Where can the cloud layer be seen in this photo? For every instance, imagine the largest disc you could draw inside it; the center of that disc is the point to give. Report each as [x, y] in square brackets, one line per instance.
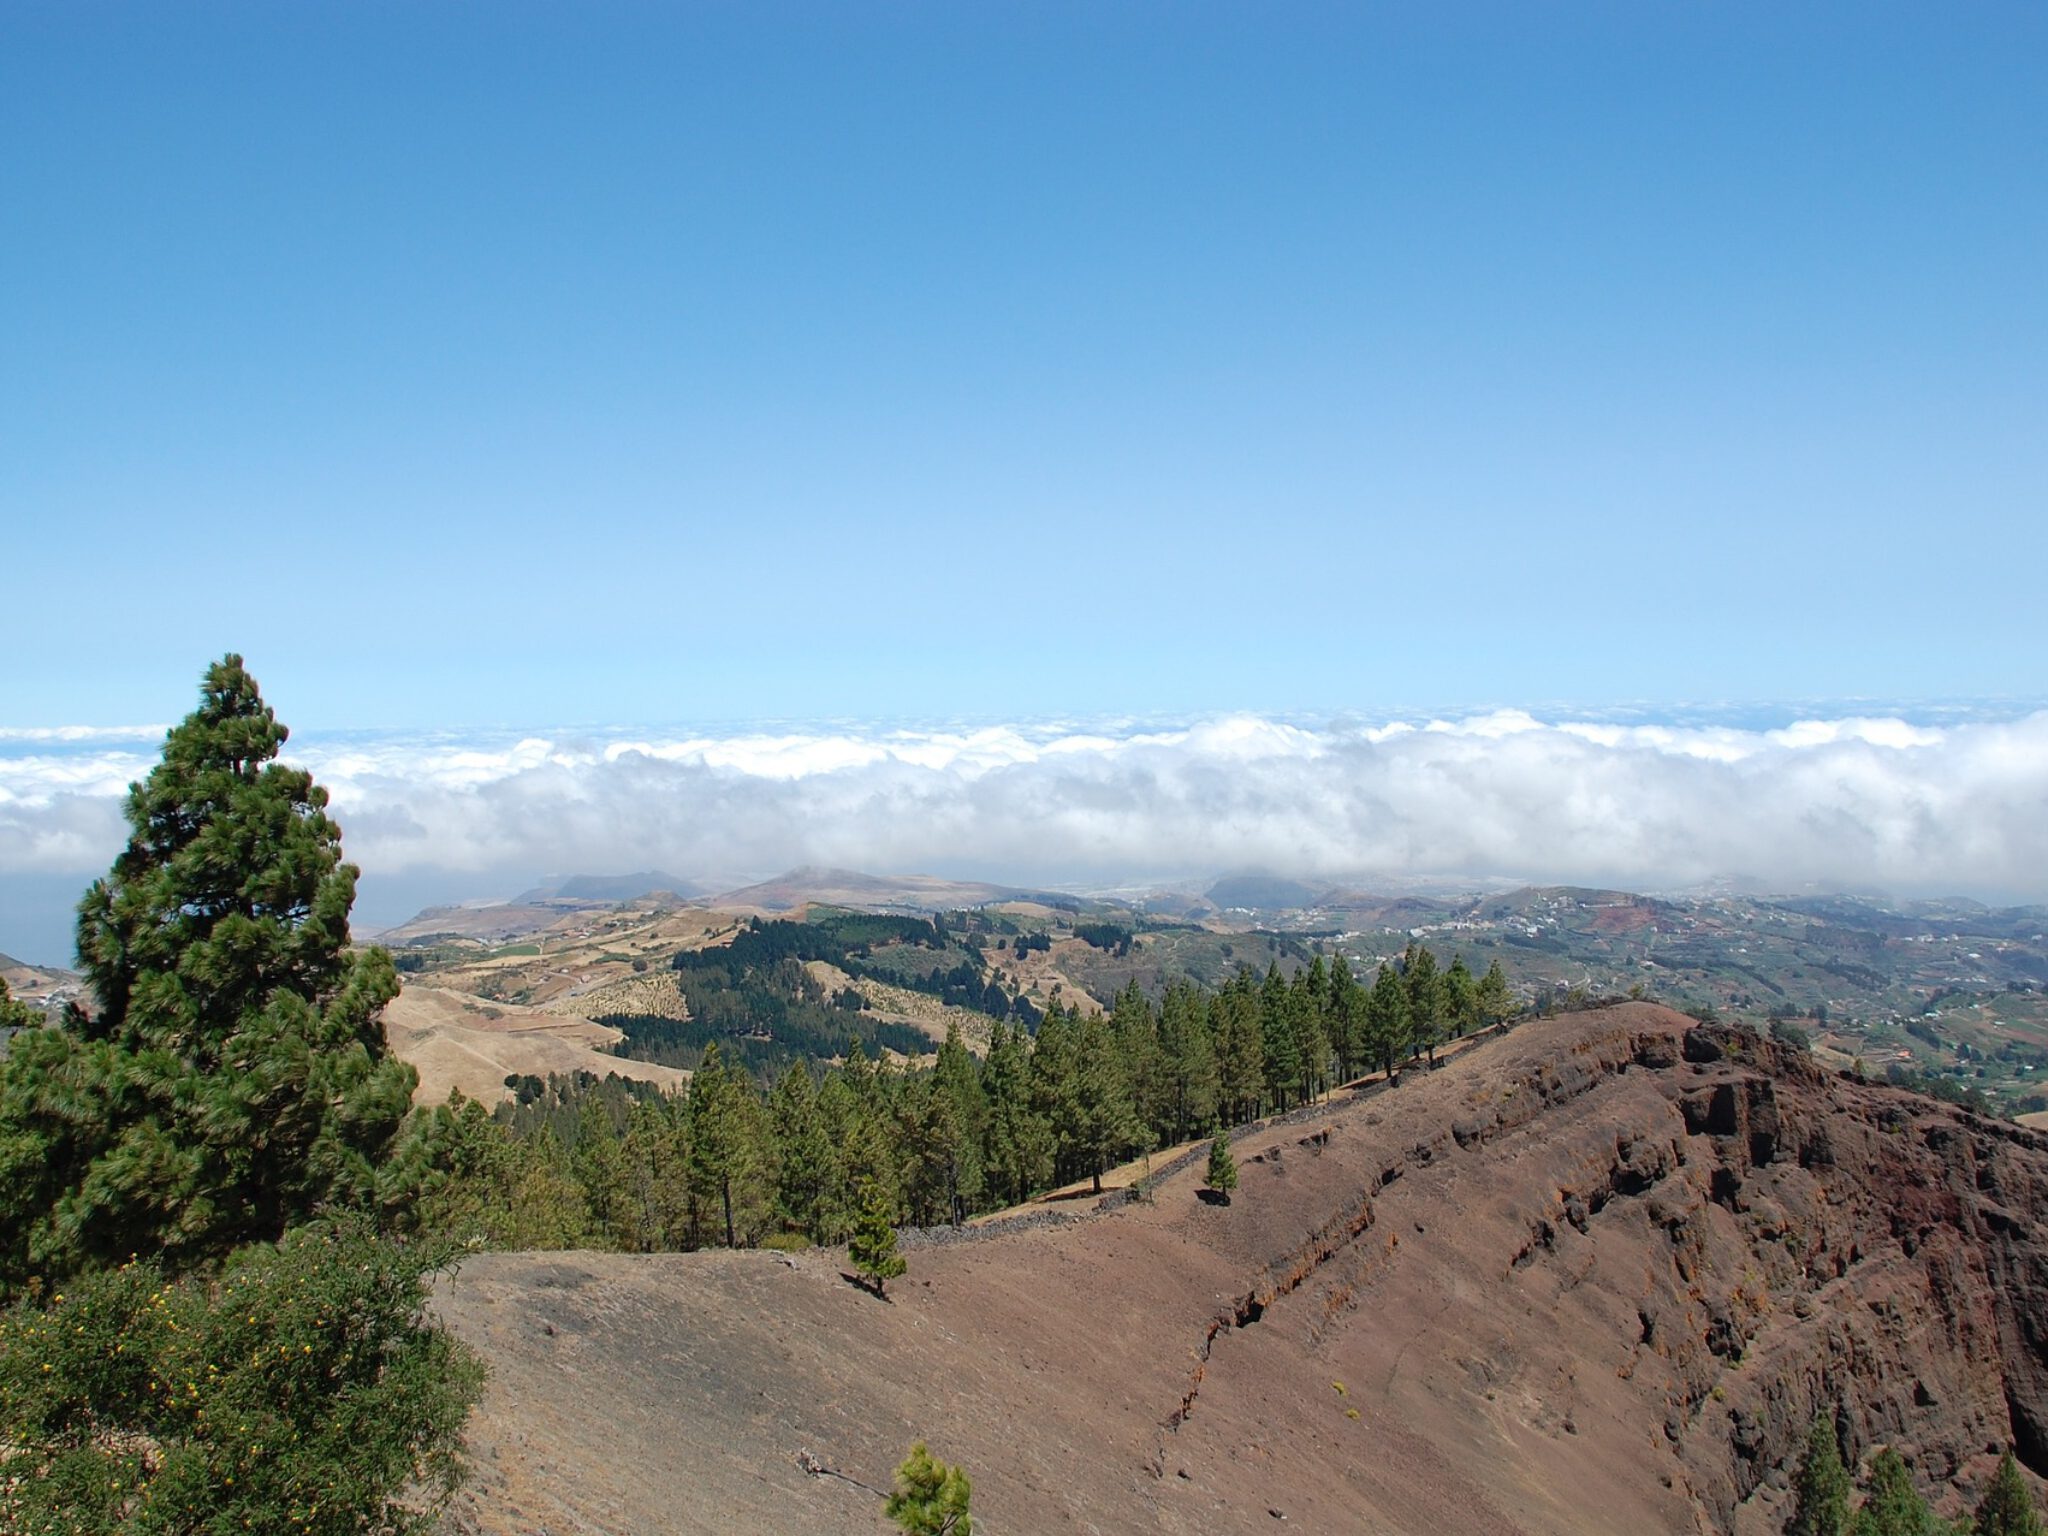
[1863, 801]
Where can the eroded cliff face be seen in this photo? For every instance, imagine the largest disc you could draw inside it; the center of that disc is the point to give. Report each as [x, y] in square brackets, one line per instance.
[1598, 1275]
[1844, 1249]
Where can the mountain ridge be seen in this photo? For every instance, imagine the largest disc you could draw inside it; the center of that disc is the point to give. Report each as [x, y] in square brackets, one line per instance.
[1594, 1276]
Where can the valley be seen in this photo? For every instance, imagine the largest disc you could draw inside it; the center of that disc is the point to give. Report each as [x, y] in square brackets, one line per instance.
[1950, 993]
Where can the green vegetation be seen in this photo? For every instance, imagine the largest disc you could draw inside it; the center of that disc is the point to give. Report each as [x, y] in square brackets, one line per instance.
[1222, 1171]
[1822, 1487]
[872, 1252]
[1114, 937]
[207, 1331]
[1893, 1506]
[2007, 1508]
[735, 1162]
[295, 1388]
[756, 997]
[930, 1498]
[234, 1078]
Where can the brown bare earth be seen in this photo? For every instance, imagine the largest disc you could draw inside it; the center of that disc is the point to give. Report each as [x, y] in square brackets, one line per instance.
[454, 1040]
[1594, 1276]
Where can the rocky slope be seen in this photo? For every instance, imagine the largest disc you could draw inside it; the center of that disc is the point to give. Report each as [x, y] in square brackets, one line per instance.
[1595, 1276]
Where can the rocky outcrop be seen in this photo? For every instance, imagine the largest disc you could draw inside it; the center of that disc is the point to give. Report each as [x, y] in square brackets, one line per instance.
[1851, 1250]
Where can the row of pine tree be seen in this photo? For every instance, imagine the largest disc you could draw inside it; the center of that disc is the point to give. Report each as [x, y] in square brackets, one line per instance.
[1824, 1503]
[735, 1164]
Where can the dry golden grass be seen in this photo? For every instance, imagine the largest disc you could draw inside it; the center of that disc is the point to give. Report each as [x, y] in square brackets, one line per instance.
[456, 1040]
[899, 1005]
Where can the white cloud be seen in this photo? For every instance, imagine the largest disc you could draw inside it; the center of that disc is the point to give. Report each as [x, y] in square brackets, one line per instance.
[1881, 801]
[72, 733]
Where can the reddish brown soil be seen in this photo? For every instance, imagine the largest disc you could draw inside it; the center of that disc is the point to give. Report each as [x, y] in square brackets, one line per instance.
[1624, 919]
[1595, 1276]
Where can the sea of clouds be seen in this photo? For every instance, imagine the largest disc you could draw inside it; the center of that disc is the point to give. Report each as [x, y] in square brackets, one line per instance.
[1956, 806]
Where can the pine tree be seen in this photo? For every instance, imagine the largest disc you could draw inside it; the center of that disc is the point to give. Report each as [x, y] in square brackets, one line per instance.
[1189, 1052]
[864, 1137]
[2007, 1508]
[1240, 1047]
[872, 1251]
[1134, 1030]
[931, 1498]
[803, 1154]
[728, 1145]
[1305, 1003]
[599, 1164]
[1018, 1156]
[1461, 998]
[1822, 1487]
[956, 1081]
[235, 1076]
[649, 1153]
[844, 1118]
[929, 1145]
[546, 1207]
[1101, 1123]
[1055, 1060]
[1222, 1172]
[1386, 1018]
[1894, 1507]
[1346, 1019]
[1277, 1033]
[1495, 1004]
[1425, 989]
[15, 1015]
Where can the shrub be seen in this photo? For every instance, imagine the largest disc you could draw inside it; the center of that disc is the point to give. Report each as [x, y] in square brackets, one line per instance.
[297, 1390]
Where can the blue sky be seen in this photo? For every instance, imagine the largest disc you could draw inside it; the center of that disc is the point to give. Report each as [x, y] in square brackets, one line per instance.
[534, 364]
[1077, 443]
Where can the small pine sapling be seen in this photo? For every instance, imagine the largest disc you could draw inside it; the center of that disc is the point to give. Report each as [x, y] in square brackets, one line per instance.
[1222, 1174]
[873, 1247]
[930, 1497]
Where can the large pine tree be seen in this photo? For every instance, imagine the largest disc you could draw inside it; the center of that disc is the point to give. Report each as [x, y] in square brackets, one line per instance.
[2007, 1508]
[1102, 1124]
[1822, 1487]
[1386, 1019]
[233, 1076]
[1427, 1005]
[1281, 1040]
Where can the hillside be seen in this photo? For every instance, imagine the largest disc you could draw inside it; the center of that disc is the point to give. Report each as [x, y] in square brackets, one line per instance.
[44, 987]
[1594, 1276]
[1951, 992]
[455, 1040]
